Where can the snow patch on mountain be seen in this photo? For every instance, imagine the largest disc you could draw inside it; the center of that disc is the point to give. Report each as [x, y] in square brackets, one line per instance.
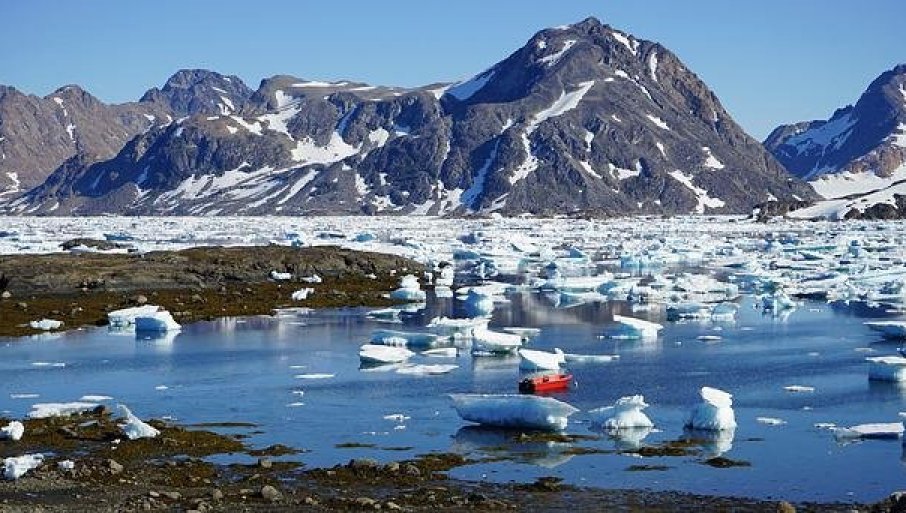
[553, 58]
[465, 90]
[704, 200]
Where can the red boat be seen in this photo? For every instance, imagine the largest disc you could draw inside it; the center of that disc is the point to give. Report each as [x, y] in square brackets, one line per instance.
[546, 383]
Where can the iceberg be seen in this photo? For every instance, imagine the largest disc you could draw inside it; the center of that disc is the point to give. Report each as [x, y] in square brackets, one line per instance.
[12, 431]
[426, 370]
[371, 353]
[46, 410]
[126, 316]
[625, 413]
[407, 338]
[587, 358]
[532, 360]
[870, 431]
[46, 324]
[157, 322]
[441, 352]
[887, 368]
[16, 467]
[487, 341]
[302, 294]
[479, 304]
[135, 428]
[513, 411]
[456, 327]
[445, 278]
[409, 289]
[714, 413]
[890, 329]
[632, 328]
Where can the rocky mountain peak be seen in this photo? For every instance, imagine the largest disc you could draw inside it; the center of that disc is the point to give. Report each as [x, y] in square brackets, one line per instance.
[198, 91]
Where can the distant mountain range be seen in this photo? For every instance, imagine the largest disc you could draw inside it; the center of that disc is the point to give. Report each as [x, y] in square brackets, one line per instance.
[582, 120]
[856, 159]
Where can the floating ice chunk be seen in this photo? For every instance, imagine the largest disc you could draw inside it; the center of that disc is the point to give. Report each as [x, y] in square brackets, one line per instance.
[158, 322]
[485, 340]
[887, 368]
[588, 358]
[445, 277]
[798, 388]
[714, 413]
[525, 333]
[46, 324]
[278, 276]
[513, 410]
[890, 329]
[456, 327]
[632, 328]
[479, 303]
[16, 467]
[531, 360]
[126, 316]
[871, 431]
[407, 338]
[95, 398]
[825, 425]
[625, 413]
[12, 431]
[314, 376]
[135, 428]
[46, 410]
[441, 352]
[426, 370]
[770, 421]
[409, 289]
[372, 353]
[302, 294]
[724, 312]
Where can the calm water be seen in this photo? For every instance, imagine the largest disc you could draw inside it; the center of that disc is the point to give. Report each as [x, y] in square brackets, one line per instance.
[247, 370]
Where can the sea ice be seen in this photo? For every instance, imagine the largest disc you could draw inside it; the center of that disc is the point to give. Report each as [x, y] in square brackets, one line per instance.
[625, 413]
[632, 328]
[714, 413]
[513, 411]
[887, 368]
[871, 431]
[46, 324]
[46, 410]
[135, 428]
[372, 353]
[12, 431]
[16, 467]
[485, 340]
[159, 321]
[126, 316]
[532, 360]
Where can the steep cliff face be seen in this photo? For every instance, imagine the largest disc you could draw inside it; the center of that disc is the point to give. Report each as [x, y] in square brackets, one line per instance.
[583, 119]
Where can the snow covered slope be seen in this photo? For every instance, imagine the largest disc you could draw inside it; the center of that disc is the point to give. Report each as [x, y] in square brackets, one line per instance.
[582, 120]
[857, 158]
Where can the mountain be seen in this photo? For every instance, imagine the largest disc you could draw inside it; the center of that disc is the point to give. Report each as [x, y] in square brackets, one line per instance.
[583, 119]
[856, 159]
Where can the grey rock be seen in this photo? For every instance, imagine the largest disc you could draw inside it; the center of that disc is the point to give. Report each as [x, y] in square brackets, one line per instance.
[216, 495]
[173, 496]
[363, 464]
[270, 493]
[114, 467]
[265, 463]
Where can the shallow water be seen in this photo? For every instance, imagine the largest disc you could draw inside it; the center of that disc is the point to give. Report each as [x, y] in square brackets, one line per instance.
[252, 370]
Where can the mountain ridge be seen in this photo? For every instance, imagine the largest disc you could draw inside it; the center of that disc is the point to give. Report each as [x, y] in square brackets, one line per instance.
[582, 119]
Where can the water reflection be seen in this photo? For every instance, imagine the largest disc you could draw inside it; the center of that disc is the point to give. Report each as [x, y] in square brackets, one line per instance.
[513, 445]
[713, 443]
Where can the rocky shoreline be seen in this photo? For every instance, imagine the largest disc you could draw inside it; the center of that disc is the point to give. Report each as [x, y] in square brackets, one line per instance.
[171, 472]
[201, 283]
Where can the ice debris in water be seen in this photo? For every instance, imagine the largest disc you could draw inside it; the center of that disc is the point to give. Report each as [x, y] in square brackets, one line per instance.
[798, 388]
[373, 353]
[135, 428]
[409, 290]
[770, 421]
[714, 413]
[632, 328]
[46, 324]
[870, 431]
[532, 360]
[46, 410]
[160, 321]
[887, 368]
[12, 431]
[302, 294]
[625, 413]
[513, 410]
[16, 467]
[125, 317]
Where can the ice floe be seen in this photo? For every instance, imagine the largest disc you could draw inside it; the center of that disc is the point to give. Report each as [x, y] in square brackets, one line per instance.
[714, 413]
[513, 411]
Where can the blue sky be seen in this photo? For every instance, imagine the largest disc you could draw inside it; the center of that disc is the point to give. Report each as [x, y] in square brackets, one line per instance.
[769, 61]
